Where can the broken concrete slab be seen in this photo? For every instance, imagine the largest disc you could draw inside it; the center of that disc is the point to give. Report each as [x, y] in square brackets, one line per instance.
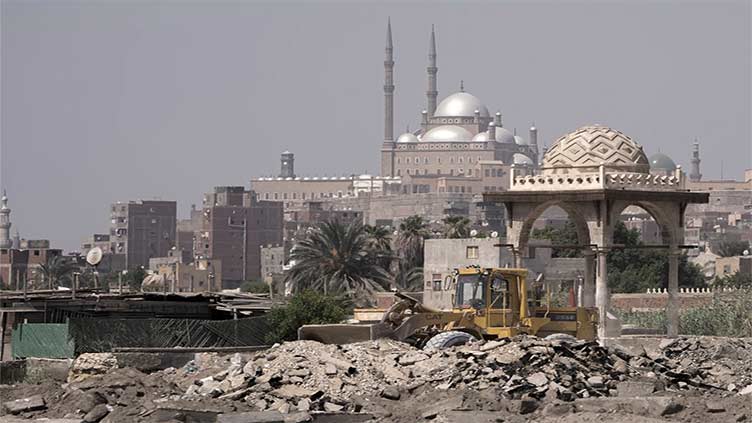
[35, 402]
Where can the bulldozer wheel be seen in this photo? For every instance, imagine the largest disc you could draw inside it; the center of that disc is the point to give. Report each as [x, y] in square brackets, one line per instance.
[449, 339]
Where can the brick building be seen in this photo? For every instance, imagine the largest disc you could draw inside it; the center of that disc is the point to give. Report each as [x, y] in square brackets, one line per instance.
[234, 226]
[141, 230]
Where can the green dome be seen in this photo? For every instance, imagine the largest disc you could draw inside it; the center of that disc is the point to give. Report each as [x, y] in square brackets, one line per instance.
[660, 161]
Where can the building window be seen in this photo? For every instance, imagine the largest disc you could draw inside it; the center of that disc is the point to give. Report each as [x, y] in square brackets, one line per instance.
[438, 171]
[460, 160]
[284, 196]
[398, 160]
[302, 195]
[266, 196]
[276, 196]
[294, 195]
[487, 173]
[425, 160]
[417, 160]
[438, 160]
[472, 252]
[451, 160]
[36, 252]
[469, 172]
[399, 172]
[407, 160]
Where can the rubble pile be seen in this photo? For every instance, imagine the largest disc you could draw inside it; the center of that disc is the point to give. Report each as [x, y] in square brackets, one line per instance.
[308, 376]
[724, 363]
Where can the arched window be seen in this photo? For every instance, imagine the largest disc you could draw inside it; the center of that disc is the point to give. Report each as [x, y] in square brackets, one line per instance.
[460, 160]
[425, 160]
[399, 172]
[303, 195]
[398, 160]
[469, 172]
[276, 196]
[407, 160]
[284, 196]
[266, 196]
[294, 195]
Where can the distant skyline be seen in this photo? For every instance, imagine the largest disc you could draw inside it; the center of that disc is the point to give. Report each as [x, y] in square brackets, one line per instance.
[124, 100]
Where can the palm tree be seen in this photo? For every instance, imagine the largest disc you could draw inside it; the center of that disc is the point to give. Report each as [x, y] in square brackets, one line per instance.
[336, 258]
[456, 227]
[409, 280]
[56, 271]
[412, 232]
[380, 242]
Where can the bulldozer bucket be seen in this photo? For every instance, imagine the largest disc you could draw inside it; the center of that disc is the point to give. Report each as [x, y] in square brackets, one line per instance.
[344, 333]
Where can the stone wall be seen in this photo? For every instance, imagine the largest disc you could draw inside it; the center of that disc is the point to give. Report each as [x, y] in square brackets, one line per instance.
[656, 300]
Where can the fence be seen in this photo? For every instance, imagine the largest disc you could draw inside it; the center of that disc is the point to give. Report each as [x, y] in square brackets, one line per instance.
[83, 335]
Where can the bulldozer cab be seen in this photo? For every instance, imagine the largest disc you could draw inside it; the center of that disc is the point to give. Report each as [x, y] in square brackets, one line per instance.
[497, 297]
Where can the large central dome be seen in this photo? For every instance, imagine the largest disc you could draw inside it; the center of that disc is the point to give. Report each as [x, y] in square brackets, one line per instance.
[591, 146]
[460, 104]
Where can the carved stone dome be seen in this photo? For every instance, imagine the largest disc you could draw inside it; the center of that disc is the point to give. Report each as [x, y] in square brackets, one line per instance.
[586, 148]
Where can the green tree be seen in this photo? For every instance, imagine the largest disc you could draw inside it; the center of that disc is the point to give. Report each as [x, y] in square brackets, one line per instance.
[411, 235]
[380, 242]
[334, 258]
[456, 227]
[57, 271]
[409, 280]
[304, 308]
[560, 236]
[134, 278]
[732, 248]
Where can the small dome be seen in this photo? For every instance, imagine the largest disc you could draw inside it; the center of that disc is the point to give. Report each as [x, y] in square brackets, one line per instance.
[660, 161]
[591, 146]
[447, 133]
[519, 140]
[521, 159]
[481, 136]
[503, 135]
[407, 137]
[460, 104]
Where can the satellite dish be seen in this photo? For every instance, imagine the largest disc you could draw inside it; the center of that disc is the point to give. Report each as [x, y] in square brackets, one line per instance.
[473, 233]
[494, 234]
[94, 256]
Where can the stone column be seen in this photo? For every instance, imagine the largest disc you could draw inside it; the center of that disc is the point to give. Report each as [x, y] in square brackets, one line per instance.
[672, 307]
[601, 292]
[588, 287]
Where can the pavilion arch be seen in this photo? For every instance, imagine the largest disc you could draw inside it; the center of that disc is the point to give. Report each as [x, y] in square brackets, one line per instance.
[594, 173]
[666, 215]
[574, 214]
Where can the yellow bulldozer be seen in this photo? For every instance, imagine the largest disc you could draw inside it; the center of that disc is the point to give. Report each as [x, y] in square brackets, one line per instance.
[487, 303]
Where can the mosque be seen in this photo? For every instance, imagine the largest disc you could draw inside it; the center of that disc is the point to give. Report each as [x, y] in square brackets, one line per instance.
[460, 147]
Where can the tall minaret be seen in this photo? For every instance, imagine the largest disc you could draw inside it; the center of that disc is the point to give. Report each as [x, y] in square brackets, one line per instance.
[695, 175]
[389, 86]
[5, 241]
[534, 141]
[432, 93]
[387, 148]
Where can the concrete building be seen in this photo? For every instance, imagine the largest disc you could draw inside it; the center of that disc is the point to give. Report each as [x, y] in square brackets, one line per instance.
[199, 276]
[19, 264]
[235, 224]
[97, 240]
[273, 259]
[725, 266]
[141, 230]
[186, 229]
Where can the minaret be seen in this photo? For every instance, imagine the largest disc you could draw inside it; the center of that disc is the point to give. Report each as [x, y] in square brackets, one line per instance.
[287, 165]
[389, 86]
[387, 148]
[695, 175]
[432, 92]
[5, 241]
[534, 141]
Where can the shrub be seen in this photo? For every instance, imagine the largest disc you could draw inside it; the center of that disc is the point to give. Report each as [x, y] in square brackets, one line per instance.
[730, 314]
[254, 287]
[304, 308]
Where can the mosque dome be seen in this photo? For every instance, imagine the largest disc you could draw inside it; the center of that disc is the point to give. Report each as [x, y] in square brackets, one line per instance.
[407, 137]
[447, 133]
[593, 145]
[481, 136]
[521, 159]
[660, 161]
[460, 104]
[503, 135]
[519, 140]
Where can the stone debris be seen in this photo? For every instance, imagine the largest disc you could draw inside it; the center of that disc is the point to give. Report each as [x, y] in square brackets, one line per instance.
[32, 403]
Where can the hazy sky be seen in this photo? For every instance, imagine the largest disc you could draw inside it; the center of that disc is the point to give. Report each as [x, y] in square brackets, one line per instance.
[118, 100]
